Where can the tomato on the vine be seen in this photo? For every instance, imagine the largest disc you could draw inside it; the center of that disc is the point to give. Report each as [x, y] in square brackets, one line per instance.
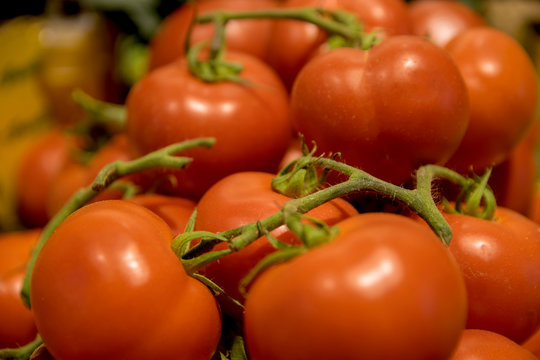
[483, 344]
[503, 89]
[250, 120]
[244, 198]
[293, 43]
[387, 110]
[499, 260]
[384, 288]
[106, 285]
[442, 20]
[17, 327]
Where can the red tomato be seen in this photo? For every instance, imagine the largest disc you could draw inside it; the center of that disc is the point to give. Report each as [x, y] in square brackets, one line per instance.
[533, 343]
[499, 260]
[246, 35]
[514, 180]
[36, 173]
[106, 285]
[384, 288]
[292, 43]
[17, 327]
[442, 20]
[250, 122]
[502, 86]
[244, 198]
[387, 110]
[482, 344]
[176, 211]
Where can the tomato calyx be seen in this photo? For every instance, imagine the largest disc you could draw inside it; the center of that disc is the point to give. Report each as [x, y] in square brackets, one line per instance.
[215, 68]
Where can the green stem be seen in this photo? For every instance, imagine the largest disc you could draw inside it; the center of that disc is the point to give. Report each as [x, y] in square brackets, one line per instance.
[162, 158]
[23, 352]
[111, 115]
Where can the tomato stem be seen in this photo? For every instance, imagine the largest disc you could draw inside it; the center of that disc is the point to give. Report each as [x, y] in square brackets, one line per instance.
[162, 158]
[21, 353]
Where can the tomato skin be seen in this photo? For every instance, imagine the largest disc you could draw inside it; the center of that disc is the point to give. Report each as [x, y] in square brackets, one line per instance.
[293, 43]
[250, 122]
[17, 326]
[483, 344]
[384, 275]
[533, 343]
[176, 211]
[244, 198]
[249, 36]
[387, 110]
[502, 86]
[106, 285]
[442, 20]
[499, 261]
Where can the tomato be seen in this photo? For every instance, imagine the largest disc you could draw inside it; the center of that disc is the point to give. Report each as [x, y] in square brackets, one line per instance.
[17, 326]
[442, 20]
[36, 172]
[250, 122]
[499, 260]
[533, 343]
[482, 344]
[514, 180]
[384, 288]
[106, 285]
[387, 110]
[244, 198]
[249, 36]
[292, 43]
[502, 86]
[176, 211]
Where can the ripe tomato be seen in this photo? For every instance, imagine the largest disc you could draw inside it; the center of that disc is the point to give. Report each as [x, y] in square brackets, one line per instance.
[106, 285]
[176, 211]
[533, 343]
[387, 110]
[499, 260]
[442, 20]
[36, 173]
[292, 43]
[244, 198]
[17, 327]
[483, 344]
[502, 86]
[250, 122]
[246, 35]
[384, 288]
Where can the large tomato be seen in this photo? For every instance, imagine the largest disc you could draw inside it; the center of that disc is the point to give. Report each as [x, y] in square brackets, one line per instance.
[384, 288]
[499, 260]
[483, 344]
[250, 121]
[249, 36]
[17, 327]
[292, 43]
[387, 110]
[244, 198]
[442, 20]
[502, 86]
[106, 285]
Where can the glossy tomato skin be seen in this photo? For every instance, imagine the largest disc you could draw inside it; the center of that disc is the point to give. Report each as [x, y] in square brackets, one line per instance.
[483, 344]
[293, 43]
[249, 36]
[17, 327]
[244, 198]
[106, 285]
[387, 110]
[442, 20]
[384, 288]
[250, 122]
[499, 261]
[503, 91]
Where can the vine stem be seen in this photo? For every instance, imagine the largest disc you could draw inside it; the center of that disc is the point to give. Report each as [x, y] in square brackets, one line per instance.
[162, 158]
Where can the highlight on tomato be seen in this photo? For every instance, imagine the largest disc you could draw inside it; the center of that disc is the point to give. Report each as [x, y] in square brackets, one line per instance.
[384, 288]
[106, 285]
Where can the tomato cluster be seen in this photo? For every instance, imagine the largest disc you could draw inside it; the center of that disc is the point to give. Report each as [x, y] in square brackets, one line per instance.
[304, 228]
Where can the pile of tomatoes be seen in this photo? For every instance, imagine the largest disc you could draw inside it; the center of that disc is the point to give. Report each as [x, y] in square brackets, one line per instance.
[359, 276]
